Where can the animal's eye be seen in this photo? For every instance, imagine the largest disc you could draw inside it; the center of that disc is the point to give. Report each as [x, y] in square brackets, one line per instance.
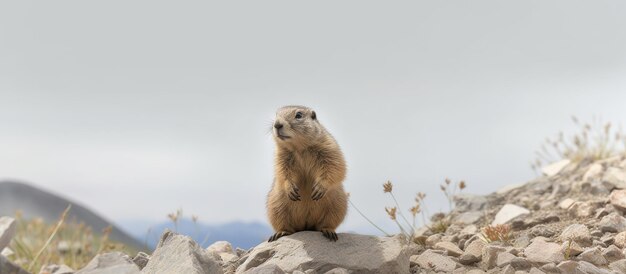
[298, 115]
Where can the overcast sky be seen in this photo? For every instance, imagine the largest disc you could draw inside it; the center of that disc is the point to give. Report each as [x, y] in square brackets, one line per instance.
[137, 108]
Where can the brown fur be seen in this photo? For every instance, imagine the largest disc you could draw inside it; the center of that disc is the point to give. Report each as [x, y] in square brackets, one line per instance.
[307, 193]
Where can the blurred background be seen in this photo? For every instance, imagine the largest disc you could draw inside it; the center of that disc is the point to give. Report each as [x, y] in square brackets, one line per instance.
[138, 109]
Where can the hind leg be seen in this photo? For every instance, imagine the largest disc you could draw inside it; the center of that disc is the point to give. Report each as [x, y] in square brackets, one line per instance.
[332, 210]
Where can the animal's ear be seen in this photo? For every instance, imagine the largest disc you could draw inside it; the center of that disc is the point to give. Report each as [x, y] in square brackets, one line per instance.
[313, 115]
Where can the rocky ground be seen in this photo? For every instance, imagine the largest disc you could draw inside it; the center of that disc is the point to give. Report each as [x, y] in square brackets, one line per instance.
[570, 220]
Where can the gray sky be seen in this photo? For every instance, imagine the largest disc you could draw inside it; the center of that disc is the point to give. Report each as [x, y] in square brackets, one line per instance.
[137, 108]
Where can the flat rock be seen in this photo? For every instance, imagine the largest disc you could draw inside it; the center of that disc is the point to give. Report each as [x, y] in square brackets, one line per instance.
[110, 263]
[310, 250]
[490, 256]
[613, 253]
[180, 254]
[615, 177]
[451, 248]
[589, 268]
[619, 266]
[566, 203]
[509, 212]
[475, 248]
[554, 168]
[540, 251]
[7, 267]
[612, 223]
[620, 239]
[504, 258]
[7, 231]
[618, 198]
[594, 256]
[578, 233]
[433, 261]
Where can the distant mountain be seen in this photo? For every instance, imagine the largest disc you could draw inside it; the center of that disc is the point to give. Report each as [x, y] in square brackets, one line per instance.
[34, 202]
[240, 234]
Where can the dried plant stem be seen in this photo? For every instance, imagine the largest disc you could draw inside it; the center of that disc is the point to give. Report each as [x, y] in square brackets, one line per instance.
[370, 221]
[402, 215]
[54, 232]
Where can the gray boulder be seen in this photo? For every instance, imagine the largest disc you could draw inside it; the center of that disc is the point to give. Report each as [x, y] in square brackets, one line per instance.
[180, 254]
[309, 250]
[110, 263]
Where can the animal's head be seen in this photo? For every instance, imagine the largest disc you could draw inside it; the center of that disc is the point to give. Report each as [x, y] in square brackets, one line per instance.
[296, 125]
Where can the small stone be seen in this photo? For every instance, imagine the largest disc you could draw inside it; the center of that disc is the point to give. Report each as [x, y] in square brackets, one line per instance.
[507, 270]
[475, 248]
[7, 252]
[490, 255]
[180, 254]
[141, 260]
[434, 261]
[578, 233]
[619, 266]
[509, 212]
[540, 251]
[504, 258]
[615, 177]
[224, 250]
[522, 241]
[433, 239]
[468, 259]
[534, 270]
[613, 253]
[618, 198]
[520, 263]
[586, 267]
[110, 263]
[542, 230]
[594, 256]
[566, 203]
[581, 209]
[568, 267]
[550, 268]
[571, 248]
[620, 239]
[7, 231]
[451, 248]
[593, 171]
[554, 168]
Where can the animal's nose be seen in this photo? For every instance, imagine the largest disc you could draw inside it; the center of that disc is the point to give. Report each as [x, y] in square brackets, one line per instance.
[278, 125]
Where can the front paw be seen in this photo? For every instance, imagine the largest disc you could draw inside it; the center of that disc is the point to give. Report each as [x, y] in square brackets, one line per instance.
[318, 192]
[293, 193]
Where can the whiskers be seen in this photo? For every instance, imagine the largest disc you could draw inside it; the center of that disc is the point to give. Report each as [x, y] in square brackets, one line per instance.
[270, 127]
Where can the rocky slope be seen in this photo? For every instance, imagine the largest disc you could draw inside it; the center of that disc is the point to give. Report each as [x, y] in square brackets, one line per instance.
[571, 220]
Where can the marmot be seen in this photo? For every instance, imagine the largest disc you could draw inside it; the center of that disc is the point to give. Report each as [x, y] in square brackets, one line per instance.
[307, 193]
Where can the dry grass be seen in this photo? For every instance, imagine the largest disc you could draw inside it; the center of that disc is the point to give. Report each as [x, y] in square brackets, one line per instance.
[37, 243]
[592, 141]
[408, 228]
[497, 233]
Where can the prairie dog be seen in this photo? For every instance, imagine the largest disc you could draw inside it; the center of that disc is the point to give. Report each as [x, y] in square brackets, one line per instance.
[309, 168]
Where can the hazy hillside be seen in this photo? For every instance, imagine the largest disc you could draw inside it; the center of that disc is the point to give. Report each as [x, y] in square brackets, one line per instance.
[35, 202]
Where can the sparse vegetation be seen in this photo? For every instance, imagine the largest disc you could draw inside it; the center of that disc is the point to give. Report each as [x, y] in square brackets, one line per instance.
[593, 141]
[408, 229]
[37, 243]
[497, 233]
